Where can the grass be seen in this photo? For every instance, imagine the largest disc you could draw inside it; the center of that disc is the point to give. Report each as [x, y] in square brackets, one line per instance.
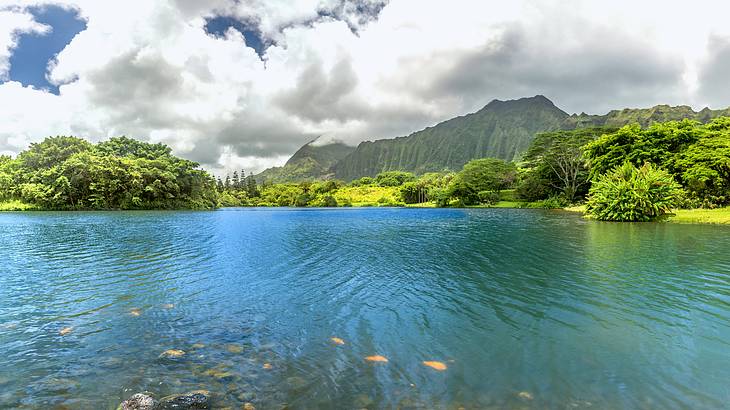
[15, 205]
[686, 216]
[369, 196]
[701, 216]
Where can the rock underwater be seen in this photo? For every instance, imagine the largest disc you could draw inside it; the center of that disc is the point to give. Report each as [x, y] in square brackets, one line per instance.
[194, 400]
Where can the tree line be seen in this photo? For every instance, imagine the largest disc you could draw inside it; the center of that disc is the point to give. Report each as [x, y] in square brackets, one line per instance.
[625, 174]
[69, 173]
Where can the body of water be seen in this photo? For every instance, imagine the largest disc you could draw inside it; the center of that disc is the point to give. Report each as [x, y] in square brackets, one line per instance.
[519, 308]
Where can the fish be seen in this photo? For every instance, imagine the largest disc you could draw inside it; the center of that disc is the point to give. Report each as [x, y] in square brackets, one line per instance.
[66, 330]
[435, 365]
[267, 366]
[377, 358]
[337, 341]
[168, 306]
[135, 312]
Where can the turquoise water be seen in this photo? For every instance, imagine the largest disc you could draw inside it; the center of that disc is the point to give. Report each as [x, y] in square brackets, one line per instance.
[526, 308]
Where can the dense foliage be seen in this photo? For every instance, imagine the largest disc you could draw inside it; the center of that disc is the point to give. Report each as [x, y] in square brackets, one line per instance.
[122, 173]
[554, 165]
[628, 193]
[697, 156]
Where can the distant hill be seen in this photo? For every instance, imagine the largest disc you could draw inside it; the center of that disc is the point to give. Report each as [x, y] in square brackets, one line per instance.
[502, 129]
[311, 161]
[644, 116]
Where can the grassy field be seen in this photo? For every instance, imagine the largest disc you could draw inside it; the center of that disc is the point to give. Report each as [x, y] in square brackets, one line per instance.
[701, 216]
[686, 216]
[16, 205]
[369, 196]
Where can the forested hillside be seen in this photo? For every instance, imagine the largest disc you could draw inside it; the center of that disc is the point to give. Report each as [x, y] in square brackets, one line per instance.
[502, 129]
[311, 161]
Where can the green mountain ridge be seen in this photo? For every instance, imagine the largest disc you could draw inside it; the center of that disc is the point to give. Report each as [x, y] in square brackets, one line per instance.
[501, 129]
[310, 162]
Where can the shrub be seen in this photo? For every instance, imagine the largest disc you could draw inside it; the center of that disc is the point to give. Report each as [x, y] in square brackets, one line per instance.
[394, 178]
[628, 193]
[488, 197]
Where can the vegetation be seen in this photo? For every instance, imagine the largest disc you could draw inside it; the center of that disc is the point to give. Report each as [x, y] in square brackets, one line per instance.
[625, 174]
[122, 173]
[708, 216]
[632, 194]
[502, 129]
[311, 162]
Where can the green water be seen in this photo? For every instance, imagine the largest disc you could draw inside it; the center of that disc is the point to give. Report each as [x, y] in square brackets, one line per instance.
[526, 308]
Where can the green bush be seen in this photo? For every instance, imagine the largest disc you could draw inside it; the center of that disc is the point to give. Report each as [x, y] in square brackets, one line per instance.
[628, 193]
[488, 197]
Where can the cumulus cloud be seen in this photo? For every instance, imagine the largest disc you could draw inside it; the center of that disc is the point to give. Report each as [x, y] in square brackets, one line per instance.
[349, 70]
[714, 78]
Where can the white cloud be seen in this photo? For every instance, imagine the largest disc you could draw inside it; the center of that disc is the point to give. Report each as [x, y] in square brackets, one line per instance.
[149, 70]
[12, 24]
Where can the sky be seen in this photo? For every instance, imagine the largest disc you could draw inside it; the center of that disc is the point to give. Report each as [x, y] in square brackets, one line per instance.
[242, 84]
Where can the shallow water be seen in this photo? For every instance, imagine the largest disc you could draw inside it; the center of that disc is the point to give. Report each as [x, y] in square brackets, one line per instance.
[526, 308]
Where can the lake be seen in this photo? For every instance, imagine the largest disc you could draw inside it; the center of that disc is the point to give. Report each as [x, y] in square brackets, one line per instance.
[524, 308]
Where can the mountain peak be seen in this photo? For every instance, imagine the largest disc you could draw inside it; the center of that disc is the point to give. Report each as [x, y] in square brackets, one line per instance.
[538, 100]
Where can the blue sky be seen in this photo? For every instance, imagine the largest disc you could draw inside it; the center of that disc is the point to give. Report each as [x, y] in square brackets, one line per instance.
[218, 26]
[30, 59]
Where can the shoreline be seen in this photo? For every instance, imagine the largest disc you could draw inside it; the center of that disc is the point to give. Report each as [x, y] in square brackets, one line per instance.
[718, 216]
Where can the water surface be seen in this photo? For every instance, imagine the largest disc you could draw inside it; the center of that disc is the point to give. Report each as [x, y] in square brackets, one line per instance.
[526, 308]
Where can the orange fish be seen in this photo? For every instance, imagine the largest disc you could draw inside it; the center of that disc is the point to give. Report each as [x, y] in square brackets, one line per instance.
[65, 331]
[267, 366]
[435, 365]
[135, 312]
[377, 358]
[337, 341]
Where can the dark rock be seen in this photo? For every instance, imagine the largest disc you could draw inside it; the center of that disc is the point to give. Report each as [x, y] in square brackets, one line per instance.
[139, 402]
[199, 399]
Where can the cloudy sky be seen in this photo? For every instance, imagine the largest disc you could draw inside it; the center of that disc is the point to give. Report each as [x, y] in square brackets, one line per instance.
[242, 84]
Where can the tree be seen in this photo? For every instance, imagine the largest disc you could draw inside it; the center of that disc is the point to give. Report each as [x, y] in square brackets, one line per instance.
[481, 175]
[235, 183]
[394, 178]
[628, 193]
[554, 164]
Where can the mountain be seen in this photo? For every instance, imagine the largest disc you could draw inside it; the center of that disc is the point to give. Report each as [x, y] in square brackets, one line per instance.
[502, 129]
[643, 116]
[312, 161]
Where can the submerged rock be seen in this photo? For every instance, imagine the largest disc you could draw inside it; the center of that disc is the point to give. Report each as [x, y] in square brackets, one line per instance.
[525, 395]
[198, 399]
[172, 354]
[235, 349]
[139, 401]
[194, 400]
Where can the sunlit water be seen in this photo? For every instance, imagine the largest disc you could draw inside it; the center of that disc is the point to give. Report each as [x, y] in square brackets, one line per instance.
[527, 309]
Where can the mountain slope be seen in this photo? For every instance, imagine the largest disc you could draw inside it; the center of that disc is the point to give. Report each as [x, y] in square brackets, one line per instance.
[311, 161]
[644, 116]
[502, 129]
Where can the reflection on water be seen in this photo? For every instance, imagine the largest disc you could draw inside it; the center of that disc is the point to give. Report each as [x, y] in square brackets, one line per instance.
[363, 308]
